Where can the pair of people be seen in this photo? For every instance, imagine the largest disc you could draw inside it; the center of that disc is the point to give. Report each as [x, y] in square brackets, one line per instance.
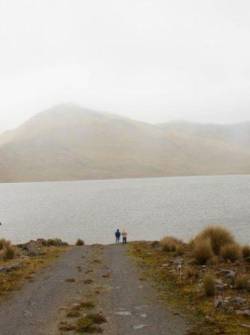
[118, 235]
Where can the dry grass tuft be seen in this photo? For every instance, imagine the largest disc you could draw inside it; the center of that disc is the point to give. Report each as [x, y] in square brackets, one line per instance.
[246, 252]
[70, 280]
[209, 285]
[203, 251]
[242, 282]
[8, 252]
[90, 323]
[230, 252]
[170, 244]
[79, 242]
[218, 237]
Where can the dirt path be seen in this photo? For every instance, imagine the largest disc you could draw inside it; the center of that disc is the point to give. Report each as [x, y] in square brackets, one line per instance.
[129, 304]
[34, 309]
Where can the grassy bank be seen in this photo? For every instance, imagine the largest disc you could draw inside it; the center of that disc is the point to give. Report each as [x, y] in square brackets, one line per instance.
[207, 279]
[20, 263]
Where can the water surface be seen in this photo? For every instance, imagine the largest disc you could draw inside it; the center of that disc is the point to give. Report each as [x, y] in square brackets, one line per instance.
[147, 208]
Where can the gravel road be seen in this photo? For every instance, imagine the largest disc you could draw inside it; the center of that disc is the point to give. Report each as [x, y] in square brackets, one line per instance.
[130, 305]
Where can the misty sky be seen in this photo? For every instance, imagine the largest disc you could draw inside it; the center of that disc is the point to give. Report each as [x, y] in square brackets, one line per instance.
[153, 60]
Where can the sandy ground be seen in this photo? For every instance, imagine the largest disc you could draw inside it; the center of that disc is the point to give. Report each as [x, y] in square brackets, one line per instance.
[129, 304]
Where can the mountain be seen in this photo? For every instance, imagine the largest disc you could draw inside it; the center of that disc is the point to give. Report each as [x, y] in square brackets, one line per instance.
[68, 142]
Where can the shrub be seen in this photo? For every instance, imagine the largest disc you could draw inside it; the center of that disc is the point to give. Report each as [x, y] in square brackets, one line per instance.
[191, 273]
[8, 252]
[4, 243]
[203, 251]
[55, 242]
[79, 242]
[180, 250]
[246, 252]
[170, 244]
[230, 252]
[242, 282]
[209, 285]
[218, 237]
[87, 324]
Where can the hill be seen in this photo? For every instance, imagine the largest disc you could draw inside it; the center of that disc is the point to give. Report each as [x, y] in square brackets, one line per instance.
[68, 142]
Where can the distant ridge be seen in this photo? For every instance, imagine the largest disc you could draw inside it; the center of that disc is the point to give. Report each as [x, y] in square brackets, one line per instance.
[68, 142]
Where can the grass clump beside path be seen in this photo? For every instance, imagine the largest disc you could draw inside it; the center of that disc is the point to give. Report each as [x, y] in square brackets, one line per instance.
[79, 242]
[18, 265]
[209, 281]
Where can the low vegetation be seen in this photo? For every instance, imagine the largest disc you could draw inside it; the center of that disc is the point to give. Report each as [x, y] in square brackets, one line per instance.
[209, 285]
[79, 242]
[170, 244]
[209, 280]
[230, 252]
[246, 252]
[218, 237]
[19, 263]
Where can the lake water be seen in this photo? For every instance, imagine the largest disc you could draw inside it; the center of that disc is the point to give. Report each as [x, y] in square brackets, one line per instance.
[148, 208]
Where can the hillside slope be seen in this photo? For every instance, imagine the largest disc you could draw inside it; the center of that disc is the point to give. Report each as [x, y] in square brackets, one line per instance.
[68, 142]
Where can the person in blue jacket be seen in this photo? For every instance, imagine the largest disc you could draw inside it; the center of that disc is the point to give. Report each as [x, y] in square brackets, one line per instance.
[117, 236]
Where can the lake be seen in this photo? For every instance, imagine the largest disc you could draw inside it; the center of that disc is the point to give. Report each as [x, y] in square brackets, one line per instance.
[147, 208]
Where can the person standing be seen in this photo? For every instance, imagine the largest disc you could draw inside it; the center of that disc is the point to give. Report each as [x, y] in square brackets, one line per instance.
[117, 236]
[124, 236]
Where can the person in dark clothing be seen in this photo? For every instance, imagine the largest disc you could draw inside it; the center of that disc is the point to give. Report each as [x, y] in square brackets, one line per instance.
[117, 236]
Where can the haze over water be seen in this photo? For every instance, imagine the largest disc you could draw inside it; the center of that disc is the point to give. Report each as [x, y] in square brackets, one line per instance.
[147, 208]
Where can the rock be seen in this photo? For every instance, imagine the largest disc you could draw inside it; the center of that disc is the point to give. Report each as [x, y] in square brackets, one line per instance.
[230, 274]
[220, 285]
[178, 261]
[10, 267]
[165, 265]
[218, 301]
[245, 312]
[209, 319]
[245, 325]
[32, 248]
[238, 300]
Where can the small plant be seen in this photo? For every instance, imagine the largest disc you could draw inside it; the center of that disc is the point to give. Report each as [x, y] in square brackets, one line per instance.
[4, 243]
[170, 244]
[180, 250]
[242, 282]
[87, 304]
[88, 323]
[70, 280]
[209, 285]
[9, 252]
[79, 242]
[73, 314]
[203, 251]
[55, 242]
[191, 273]
[246, 252]
[218, 237]
[230, 252]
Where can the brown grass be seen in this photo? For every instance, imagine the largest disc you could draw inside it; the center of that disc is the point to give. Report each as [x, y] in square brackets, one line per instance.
[79, 242]
[230, 252]
[218, 237]
[90, 323]
[170, 244]
[209, 285]
[202, 251]
[242, 282]
[8, 252]
[246, 252]
[4, 243]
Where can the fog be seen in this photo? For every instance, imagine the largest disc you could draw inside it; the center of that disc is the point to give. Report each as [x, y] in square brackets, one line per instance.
[153, 61]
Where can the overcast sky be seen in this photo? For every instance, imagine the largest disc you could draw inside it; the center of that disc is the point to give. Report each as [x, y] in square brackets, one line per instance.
[152, 60]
